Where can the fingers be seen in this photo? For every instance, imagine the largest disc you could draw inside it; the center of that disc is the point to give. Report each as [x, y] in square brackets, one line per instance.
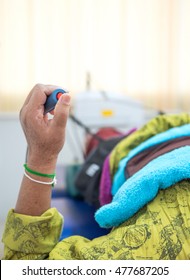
[39, 95]
[61, 111]
[36, 99]
[38, 88]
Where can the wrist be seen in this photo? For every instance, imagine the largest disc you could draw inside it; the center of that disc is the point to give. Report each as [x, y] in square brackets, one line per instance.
[42, 164]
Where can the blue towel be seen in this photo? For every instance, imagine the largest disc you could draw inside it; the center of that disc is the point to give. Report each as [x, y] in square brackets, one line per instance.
[143, 186]
[176, 132]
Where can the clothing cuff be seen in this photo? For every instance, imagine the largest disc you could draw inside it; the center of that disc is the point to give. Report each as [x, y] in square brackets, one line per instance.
[32, 234]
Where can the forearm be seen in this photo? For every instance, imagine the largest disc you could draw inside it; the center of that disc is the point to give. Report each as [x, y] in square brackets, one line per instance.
[35, 198]
[45, 138]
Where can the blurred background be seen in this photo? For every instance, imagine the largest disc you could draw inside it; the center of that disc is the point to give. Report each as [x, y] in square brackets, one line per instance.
[136, 47]
[124, 60]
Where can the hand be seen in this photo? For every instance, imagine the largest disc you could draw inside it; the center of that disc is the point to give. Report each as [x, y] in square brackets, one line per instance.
[45, 137]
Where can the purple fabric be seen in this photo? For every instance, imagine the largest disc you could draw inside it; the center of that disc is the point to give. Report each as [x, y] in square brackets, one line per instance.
[105, 184]
[105, 195]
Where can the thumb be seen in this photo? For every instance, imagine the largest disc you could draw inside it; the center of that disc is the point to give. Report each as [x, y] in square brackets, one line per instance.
[61, 111]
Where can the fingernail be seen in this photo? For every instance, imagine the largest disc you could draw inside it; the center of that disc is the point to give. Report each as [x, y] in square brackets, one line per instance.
[65, 99]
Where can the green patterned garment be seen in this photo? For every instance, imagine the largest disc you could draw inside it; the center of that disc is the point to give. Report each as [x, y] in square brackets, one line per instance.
[159, 231]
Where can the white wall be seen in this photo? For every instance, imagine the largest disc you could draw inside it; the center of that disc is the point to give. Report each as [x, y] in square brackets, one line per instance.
[12, 157]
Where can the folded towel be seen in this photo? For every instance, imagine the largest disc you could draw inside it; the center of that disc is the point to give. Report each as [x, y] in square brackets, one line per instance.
[137, 191]
[172, 133]
[143, 158]
[156, 125]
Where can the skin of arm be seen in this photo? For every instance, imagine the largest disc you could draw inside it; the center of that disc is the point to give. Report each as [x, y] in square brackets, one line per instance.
[45, 139]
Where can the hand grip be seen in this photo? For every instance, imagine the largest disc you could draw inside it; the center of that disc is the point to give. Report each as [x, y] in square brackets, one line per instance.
[52, 100]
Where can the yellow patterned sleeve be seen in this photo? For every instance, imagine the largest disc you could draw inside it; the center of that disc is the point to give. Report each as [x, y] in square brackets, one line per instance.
[31, 237]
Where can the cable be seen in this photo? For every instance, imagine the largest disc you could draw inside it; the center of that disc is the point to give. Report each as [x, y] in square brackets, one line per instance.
[86, 128]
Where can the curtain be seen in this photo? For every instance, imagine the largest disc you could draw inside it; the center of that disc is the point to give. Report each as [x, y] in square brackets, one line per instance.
[138, 48]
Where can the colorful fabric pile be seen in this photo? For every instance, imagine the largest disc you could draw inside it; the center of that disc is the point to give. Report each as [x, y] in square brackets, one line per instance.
[144, 194]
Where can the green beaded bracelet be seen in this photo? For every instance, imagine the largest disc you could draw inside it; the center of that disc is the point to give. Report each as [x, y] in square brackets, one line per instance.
[38, 173]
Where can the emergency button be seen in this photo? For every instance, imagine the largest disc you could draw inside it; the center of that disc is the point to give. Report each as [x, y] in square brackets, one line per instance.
[59, 95]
